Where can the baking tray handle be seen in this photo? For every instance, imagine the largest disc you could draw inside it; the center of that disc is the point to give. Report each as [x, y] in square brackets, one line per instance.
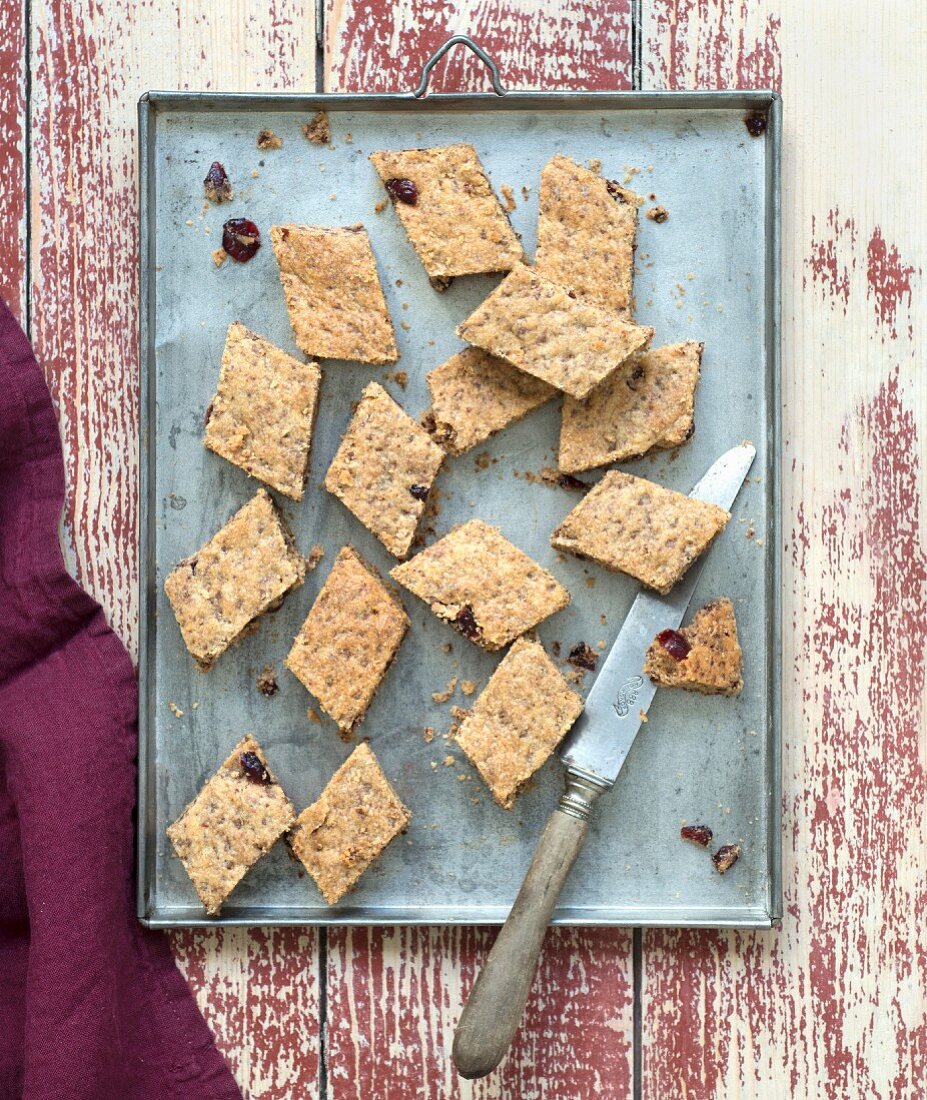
[459, 40]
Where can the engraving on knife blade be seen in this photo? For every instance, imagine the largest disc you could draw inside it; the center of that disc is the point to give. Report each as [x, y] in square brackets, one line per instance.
[627, 695]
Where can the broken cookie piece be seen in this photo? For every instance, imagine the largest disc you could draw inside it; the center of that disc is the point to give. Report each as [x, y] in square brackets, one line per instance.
[518, 720]
[704, 656]
[475, 394]
[318, 129]
[446, 205]
[631, 525]
[232, 822]
[245, 569]
[586, 231]
[262, 415]
[333, 293]
[482, 584]
[384, 469]
[725, 857]
[267, 139]
[349, 639]
[648, 402]
[217, 186]
[357, 815]
[544, 329]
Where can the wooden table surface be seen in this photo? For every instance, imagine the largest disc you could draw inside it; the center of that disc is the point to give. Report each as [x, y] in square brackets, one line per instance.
[834, 1003]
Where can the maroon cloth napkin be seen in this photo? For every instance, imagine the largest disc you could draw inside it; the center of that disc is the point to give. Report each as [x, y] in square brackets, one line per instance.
[91, 1004]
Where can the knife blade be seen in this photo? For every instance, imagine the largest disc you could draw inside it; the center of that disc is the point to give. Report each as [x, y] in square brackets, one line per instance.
[593, 753]
[601, 738]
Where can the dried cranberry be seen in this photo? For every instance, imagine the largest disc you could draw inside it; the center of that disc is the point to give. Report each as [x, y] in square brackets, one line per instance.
[253, 768]
[216, 184]
[467, 624]
[241, 238]
[725, 857]
[402, 191]
[756, 125]
[567, 481]
[636, 375]
[674, 644]
[698, 834]
[583, 656]
[420, 492]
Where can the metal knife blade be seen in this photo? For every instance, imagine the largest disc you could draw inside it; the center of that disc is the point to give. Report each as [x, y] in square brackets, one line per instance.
[601, 738]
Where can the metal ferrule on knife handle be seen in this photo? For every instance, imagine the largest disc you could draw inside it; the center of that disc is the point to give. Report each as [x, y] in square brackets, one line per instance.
[580, 795]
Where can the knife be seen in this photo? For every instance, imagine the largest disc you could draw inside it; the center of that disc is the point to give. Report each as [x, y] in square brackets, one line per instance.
[593, 754]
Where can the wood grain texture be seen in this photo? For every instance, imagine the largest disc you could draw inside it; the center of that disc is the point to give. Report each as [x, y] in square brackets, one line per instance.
[259, 991]
[395, 995]
[13, 176]
[372, 46]
[89, 64]
[834, 1004]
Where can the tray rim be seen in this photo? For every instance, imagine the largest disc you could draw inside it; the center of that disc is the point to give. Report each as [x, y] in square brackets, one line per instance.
[154, 101]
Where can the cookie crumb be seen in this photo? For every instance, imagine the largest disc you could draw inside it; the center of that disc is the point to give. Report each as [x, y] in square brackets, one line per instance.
[429, 735]
[219, 256]
[443, 696]
[583, 656]
[658, 214]
[381, 206]
[314, 556]
[400, 377]
[468, 686]
[643, 717]
[175, 710]
[525, 192]
[509, 204]
[314, 716]
[267, 139]
[449, 761]
[318, 130]
[267, 681]
[217, 186]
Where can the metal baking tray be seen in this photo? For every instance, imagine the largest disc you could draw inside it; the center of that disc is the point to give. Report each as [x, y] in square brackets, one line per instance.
[711, 272]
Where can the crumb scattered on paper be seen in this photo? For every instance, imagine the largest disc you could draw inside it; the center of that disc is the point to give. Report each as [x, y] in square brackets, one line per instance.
[219, 256]
[267, 681]
[267, 139]
[468, 686]
[175, 710]
[509, 203]
[314, 556]
[658, 214]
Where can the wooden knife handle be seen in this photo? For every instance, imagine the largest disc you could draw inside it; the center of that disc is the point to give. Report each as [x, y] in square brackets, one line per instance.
[497, 1001]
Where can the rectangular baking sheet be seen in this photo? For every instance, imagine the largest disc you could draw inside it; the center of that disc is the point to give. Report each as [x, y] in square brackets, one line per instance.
[709, 273]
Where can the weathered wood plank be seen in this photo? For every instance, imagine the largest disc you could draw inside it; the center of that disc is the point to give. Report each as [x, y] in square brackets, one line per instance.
[13, 175]
[394, 996]
[835, 1004]
[90, 62]
[371, 46]
[259, 991]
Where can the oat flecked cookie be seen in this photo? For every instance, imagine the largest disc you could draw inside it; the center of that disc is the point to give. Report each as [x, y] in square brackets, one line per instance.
[544, 329]
[704, 656]
[333, 293]
[482, 584]
[455, 222]
[648, 402]
[245, 569]
[586, 231]
[384, 469]
[475, 394]
[519, 719]
[356, 816]
[349, 639]
[232, 822]
[633, 526]
[262, 415]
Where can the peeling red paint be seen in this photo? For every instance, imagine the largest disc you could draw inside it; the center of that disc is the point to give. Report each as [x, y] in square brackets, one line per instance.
[13, 51]
[395, 995]
[889, 280]
[832, 257]
[378, 47]
[258, 990]
[706, 44]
